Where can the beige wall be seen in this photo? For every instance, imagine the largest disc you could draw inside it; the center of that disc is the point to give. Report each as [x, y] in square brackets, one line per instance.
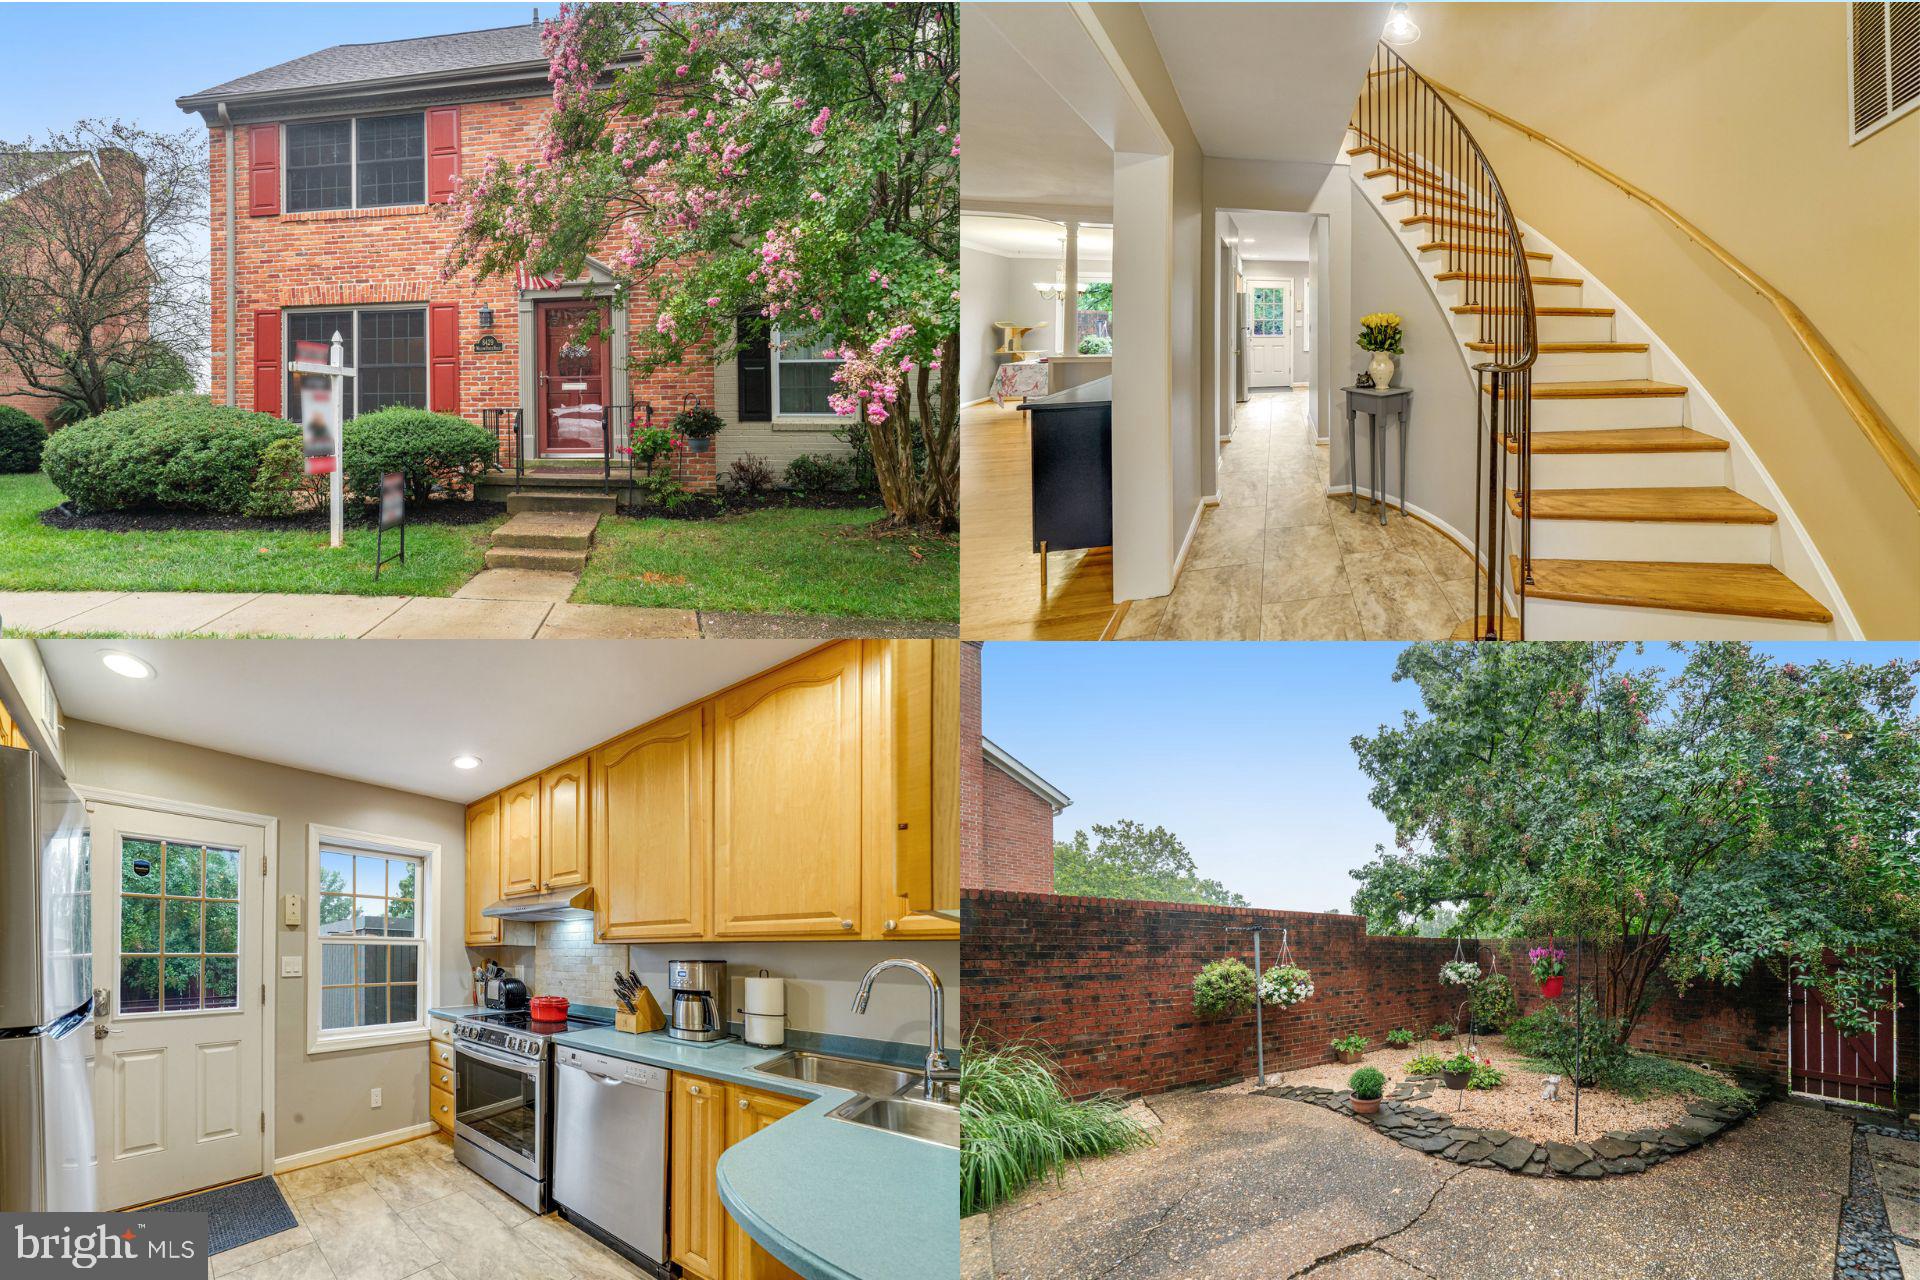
[1736, 116]
[322, 1099]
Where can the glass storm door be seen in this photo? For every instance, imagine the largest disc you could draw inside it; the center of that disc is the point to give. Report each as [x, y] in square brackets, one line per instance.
[573, 380]
[176, 1077]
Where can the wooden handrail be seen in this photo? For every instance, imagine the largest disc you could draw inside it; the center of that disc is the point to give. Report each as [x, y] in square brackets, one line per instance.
[1893, 448]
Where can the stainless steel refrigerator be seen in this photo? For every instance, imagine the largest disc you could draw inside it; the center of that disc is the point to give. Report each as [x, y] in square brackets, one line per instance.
[46, 991]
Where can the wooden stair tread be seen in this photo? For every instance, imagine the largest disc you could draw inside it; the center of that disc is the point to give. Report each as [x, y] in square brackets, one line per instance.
[1611, 389]
[1414, 173]
[1564, 348]
[1623, 440]
[1703, 504]
[1493, 277]
[1744, 590]
[1483, 309]
[1444, 202]
[1464, 247]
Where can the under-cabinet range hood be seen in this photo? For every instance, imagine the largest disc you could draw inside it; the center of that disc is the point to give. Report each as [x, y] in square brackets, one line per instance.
[560, 904]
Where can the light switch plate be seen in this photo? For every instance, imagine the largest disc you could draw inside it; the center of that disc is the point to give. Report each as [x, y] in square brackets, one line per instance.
[290, 966]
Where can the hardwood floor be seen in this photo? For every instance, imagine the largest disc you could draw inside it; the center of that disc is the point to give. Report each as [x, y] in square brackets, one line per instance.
[1000, 596]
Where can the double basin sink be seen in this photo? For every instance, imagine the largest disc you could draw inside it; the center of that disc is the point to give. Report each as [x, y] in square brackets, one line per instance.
[890, 1098]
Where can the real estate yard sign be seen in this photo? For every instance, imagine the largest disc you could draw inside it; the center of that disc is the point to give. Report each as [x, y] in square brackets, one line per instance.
[393, 514]
[321, 370]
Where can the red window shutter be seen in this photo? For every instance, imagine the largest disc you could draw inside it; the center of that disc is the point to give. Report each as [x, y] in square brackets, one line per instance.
[443, 357]
[263, 170]
[443, 153]
[269, 375]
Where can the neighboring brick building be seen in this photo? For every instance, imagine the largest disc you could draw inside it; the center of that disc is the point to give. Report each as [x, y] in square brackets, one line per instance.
[324, 180]
[1006, 809]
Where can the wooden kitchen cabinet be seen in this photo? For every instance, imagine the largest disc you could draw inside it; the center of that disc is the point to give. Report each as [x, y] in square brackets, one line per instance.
[483, 870]
[698, 1222]
[565, 798]
[651, 831]
[787, 814]
[520, 839]
[748, 1112]
[912, 733]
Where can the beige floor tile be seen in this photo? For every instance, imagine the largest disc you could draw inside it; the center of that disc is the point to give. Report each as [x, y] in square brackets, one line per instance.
[1215, 604]
[305, 617]
[1303, 563]
[303, 1263]
[1228, 536]
[503, 1207]
[364, 1238]
[1388, 563]
[45, 610]
[582, 1255]
[1299, 509]
[243, 1256]
[1143, 619]
[403, 1178]
[425, 618]
[476, 1245]
[1359, 532]
[158, 613]
[1244, 493]
[1403, 607]
[319, 1179]
[618, 622]
[1326, 618]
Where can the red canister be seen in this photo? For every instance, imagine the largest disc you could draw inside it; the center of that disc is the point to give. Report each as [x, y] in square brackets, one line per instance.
[548, 1008]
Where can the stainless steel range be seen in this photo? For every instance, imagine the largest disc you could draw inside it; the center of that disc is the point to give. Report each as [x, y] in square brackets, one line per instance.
[503, 1099]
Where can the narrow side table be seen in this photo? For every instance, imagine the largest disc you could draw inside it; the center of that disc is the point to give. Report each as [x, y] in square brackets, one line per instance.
[1375, 402]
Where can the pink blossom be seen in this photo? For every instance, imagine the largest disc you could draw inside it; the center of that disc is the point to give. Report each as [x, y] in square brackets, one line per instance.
[713, 302]
[681, 70]
[898, 77]
[819, 125]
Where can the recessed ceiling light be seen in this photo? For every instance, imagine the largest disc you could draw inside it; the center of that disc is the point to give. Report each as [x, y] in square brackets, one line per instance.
[466, 762]
[125, 664]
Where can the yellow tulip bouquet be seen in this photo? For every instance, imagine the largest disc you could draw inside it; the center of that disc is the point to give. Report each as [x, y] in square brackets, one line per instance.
[1380, 332]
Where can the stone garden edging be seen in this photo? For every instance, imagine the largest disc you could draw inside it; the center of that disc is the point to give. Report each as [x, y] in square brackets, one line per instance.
[1434, 1133]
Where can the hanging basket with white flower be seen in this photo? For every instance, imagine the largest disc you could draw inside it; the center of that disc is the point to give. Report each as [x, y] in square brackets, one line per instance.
[1285, 985]
[1459, 973]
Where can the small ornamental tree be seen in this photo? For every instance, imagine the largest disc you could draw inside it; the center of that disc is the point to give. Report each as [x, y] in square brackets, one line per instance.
[1739, 812]
[792, 161]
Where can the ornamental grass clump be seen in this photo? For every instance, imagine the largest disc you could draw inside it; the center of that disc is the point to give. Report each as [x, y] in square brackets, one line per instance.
[1017, 1124]
[1223, 989]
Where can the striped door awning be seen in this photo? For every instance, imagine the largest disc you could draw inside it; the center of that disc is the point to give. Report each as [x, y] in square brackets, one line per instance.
[527, 280]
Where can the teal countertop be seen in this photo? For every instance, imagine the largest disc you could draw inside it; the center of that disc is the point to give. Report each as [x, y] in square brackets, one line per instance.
[832, 1200]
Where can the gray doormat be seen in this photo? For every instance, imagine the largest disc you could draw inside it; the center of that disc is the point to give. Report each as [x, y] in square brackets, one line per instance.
[237, 1214]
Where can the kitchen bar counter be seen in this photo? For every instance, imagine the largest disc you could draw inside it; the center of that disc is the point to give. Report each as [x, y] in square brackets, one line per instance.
[832, 1200]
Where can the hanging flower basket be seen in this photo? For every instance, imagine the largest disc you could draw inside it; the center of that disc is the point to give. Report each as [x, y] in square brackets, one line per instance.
[1459, 973]
[1549, 969]
[1552, 987]
[1285, 985]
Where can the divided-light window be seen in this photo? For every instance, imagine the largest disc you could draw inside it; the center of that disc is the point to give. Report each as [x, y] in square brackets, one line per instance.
[386, 346]
[357, 164]
[367, 917]
[802, 376]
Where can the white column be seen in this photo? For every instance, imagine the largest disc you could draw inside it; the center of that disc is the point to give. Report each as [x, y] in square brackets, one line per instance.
[1067, 341]
[1143, 547]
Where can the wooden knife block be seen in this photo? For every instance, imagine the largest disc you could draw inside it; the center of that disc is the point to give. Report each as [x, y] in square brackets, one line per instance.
[647, 1018]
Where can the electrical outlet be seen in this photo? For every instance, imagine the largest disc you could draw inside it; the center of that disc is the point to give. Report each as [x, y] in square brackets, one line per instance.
[376, 1098]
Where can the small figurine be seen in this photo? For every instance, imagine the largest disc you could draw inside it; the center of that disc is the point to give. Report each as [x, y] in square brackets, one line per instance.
[1550, 1091]
[1364, 380]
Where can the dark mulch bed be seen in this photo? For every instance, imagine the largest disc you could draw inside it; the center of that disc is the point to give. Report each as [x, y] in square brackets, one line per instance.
[705, 506]
[450, 511]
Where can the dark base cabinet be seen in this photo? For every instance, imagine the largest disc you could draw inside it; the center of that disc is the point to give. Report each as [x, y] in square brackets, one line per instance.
[1072, 452]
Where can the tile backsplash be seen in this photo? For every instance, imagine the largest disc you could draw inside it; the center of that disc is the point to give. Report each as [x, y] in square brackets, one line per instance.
[567, 962]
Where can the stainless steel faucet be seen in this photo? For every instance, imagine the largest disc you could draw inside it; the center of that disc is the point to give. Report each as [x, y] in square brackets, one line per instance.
[938, 1069]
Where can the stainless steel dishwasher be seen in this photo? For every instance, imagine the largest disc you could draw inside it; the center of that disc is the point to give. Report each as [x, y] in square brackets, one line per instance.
[610, 1151]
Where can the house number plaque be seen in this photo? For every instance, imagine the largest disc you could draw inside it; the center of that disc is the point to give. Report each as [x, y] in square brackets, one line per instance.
[487, 343]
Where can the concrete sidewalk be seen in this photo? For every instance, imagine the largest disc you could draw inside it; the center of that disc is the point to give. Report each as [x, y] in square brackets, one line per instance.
[499, 604]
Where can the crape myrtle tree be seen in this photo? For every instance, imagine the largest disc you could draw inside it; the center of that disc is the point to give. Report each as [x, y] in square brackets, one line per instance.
[1739, 812]
[796, 162]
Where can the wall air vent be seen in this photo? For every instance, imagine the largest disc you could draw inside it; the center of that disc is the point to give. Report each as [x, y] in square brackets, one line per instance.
[1883, 57]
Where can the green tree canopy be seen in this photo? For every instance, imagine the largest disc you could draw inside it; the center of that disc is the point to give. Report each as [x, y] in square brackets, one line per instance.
[1738, 812]
[1097, 296]
[1128, 860]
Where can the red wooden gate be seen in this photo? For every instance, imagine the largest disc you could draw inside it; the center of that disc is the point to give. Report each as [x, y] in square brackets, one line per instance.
[1830, 1064]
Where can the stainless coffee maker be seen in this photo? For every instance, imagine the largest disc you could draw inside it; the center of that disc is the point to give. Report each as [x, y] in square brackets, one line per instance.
[699, 990]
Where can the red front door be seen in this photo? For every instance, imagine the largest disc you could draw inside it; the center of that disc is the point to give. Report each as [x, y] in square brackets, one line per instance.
[573, 377]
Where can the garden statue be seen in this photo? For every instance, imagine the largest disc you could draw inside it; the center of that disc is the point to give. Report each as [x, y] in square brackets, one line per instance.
[1550, 1089]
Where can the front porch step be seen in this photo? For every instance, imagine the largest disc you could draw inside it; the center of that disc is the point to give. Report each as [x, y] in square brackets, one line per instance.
[560, 500]
[1743, 590]
[548, 530]
[536, 558]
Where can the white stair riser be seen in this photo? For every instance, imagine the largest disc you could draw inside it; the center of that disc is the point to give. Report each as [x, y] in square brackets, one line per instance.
[1590, 366]
[1454, 293]
[1601, 412]
[1438, 260]
[1571, 620]
[1552, 328]
[1628, 470]
[1648, 540]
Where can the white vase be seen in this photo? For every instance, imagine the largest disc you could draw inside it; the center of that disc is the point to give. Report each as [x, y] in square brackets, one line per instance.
[1381, 369]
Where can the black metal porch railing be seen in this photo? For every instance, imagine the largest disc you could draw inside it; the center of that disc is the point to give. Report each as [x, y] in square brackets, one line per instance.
[617, 426]
[1453, 197]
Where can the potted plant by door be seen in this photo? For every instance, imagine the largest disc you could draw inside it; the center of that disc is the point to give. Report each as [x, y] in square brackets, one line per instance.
[1367, 1084]
[698, 425]
[1457, 1072]
[1350, 1048]
[1549, 969]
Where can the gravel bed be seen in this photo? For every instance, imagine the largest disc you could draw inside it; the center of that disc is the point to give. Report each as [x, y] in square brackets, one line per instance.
[1865, 1250]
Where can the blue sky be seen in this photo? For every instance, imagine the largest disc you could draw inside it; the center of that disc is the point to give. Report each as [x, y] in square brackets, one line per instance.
[1240, 749]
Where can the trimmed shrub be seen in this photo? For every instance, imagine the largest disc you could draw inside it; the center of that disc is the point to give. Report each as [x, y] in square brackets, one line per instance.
[1223, 988]
[817, 473]
[181, 453]
[1493, 1003]
[282, 486]
[430, 448]
[1367, 1082]
[748, 474]
[21, 441]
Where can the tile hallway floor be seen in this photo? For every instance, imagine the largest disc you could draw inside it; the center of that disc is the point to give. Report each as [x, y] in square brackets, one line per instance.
[1278, 559]
[413, 1211]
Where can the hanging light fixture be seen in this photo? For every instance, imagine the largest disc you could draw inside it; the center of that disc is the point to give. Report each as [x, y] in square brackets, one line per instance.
[1400, 28]
[1051, 292]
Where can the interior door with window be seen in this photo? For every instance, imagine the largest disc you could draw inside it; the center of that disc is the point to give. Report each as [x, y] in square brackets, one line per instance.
[176, 923]
[1270, 357]
[573, 376]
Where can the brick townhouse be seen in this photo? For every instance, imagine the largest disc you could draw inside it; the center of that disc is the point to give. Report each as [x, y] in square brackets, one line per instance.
[1006, 809]
[326, 173]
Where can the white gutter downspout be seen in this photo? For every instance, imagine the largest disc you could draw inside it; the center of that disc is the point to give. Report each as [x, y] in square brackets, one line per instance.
[227, 121]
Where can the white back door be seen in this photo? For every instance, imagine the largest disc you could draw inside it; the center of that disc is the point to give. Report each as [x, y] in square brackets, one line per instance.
[177, 905]
[1270, 303]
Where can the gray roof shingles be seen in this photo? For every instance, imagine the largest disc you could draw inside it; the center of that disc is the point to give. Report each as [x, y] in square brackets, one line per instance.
[346, 64]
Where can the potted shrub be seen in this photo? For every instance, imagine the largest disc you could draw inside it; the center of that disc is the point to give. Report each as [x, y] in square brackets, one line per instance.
[1349, 1048]
[1223, 989]
[1457, 1072]
[1440, 1031]
[698, 425]
[1285, 985]
[1549, 969]
[1368, 1083]
[1459, 973]
[1399, 1038]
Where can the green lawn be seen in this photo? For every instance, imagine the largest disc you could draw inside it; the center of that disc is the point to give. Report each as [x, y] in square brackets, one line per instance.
[36, 558]
[785, 560]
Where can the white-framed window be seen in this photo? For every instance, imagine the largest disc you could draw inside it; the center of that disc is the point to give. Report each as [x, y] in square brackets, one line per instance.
[364, 163]
[1883, 64]
[1093, 316]
[385, 345]
[370, 939]
[802, 376]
